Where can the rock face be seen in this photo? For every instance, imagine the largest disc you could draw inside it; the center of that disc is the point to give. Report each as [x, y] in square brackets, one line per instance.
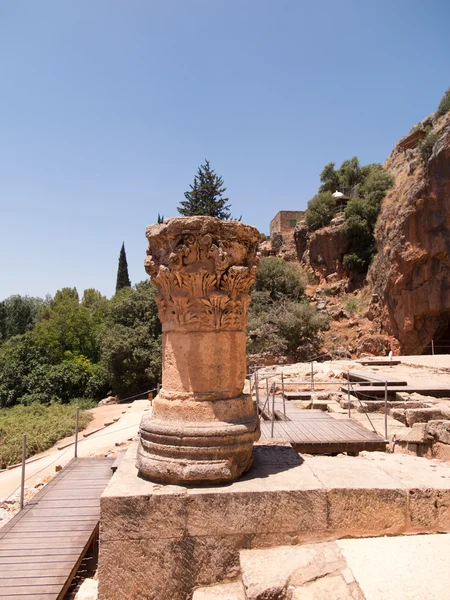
[202, 427]
[411, 273]
[322, 250]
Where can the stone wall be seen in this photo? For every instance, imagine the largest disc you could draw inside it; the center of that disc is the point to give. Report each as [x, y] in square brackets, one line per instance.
[283, 221]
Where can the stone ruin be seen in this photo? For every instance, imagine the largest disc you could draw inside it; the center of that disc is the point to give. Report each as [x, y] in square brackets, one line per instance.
[202, 426]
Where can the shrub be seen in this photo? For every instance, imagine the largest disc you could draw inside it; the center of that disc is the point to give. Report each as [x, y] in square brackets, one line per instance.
[320, 210]
[444, 105]
[425, 146]
[286, 327]
[279, 279]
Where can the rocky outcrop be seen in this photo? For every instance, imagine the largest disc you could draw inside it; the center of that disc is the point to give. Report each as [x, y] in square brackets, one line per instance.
[322, 250]
[410, 276]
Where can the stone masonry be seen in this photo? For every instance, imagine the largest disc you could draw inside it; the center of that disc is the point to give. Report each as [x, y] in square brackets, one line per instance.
[202, 426]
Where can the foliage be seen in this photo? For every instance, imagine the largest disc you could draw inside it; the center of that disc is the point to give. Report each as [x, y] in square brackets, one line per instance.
[44, 425]
[85, 349]
[279, 279]
[18, 315]
[425, 146]
[370, 183]
[264, 237]
[205, 195]
[444, 105]
[123, 279]
[160, 219]
[131, 343]
[291, 328]
[320, 210]
[66, 325]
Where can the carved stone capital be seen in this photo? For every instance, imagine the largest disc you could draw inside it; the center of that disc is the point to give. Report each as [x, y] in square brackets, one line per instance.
[203, 269]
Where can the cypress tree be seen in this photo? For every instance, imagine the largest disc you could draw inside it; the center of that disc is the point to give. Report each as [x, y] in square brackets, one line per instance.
[123, 279]
[205, 195]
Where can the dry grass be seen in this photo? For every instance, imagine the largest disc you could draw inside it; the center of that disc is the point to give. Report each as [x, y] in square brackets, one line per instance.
[44, 425]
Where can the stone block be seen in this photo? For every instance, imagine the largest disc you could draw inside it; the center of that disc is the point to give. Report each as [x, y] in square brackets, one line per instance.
[398, 414]
[429, 510]
[440, 430]
[423, 415]
[223, 591]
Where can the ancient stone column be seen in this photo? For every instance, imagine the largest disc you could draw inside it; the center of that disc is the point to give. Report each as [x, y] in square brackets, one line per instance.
[202, 427]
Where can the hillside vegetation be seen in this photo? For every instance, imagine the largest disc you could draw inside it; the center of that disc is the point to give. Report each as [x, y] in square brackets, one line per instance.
[367, 186]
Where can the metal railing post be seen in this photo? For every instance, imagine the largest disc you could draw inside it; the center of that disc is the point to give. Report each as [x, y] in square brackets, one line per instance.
[273, 410]
[385, 411]
[22, 480]
[258, 411]
[158, 387]
[348, 394]
[432, 347]
[267, 386]
[77, 414]
[282, 391]
[312, 376]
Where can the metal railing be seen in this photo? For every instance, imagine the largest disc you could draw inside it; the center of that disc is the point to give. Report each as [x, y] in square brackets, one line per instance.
[352, 393]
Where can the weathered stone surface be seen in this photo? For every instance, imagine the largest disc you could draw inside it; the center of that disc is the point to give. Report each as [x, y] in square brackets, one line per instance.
[202, 426]
[411, 270]
[439, 430]
[413, 567]
[329, 588]
[162, 541]
[423, 415]
[268, 573]
[222, 591]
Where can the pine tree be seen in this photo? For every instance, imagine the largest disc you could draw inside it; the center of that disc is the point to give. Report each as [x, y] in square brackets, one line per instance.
[205, 195]
[123, 279]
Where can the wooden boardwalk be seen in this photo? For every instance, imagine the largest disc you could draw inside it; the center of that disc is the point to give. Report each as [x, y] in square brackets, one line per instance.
[42, 547]
[316, 432]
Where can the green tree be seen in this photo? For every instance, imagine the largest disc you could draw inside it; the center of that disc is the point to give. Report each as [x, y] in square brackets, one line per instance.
[131, 340]
[206, 195]
[320, 210]
[67, 325]
[123, 279]
[18, 314]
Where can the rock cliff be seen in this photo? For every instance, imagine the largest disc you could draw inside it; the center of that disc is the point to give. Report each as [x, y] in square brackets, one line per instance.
[410, 276]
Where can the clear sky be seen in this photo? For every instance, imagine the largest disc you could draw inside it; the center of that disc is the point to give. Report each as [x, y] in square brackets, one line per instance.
[108, 107]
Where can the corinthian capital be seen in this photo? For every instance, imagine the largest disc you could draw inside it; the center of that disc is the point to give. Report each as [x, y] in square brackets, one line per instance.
[203, 268]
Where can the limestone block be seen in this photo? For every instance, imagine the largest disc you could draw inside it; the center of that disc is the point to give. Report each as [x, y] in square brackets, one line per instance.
[423, 415]
[327, 588]
[267, 573]
[222, 591]
[440, 430]
[398, 414]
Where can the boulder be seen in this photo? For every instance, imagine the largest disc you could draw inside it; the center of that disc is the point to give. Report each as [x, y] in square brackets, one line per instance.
[109, 400]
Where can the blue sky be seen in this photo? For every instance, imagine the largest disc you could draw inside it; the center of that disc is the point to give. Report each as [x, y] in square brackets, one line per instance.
[108, 107]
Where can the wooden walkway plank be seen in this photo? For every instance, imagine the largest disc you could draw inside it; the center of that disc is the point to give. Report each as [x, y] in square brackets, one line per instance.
[43, 545]
[315, 431]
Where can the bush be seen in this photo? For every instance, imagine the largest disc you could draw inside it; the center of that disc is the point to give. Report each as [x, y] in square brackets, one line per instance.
[444, 105]
[425, 146]
[320, 210]
[286, 328]
[279, 279]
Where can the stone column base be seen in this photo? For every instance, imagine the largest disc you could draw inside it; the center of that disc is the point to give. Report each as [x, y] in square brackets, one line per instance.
[186, 452]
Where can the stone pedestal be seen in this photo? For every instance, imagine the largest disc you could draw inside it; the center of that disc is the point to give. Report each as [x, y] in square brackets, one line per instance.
[202, 427]
[162, 541]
